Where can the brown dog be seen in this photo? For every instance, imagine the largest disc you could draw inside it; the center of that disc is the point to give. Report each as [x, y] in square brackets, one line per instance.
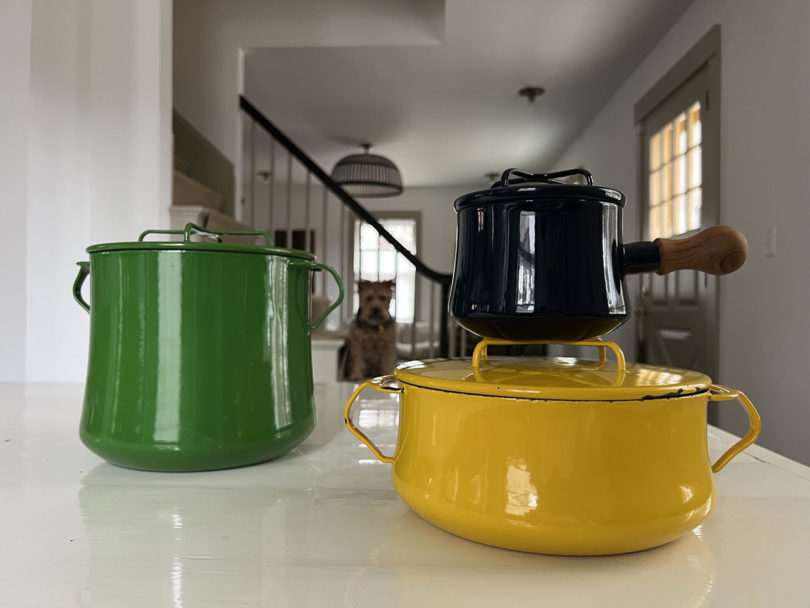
[371, 345]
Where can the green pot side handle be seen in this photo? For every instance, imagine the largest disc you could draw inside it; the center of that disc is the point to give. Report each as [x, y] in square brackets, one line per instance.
[721, 393]
[84, 270]
[378, 384]
[338, 300]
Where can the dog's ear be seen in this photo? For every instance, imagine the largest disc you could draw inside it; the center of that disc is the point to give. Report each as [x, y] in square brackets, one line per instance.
[391, 284]
[362, 284]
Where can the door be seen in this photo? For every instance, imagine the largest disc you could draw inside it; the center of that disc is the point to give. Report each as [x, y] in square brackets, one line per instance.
[680, 187]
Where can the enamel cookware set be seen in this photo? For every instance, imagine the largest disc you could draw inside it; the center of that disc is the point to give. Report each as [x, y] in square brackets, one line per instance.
[557, 455]
[200, 359]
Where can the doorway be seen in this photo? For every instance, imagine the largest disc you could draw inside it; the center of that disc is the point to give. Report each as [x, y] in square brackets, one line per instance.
[678, 126]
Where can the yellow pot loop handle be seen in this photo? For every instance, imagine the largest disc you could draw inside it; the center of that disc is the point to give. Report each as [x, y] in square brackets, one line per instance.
[718, 392]
[480, 352]
[378, 384]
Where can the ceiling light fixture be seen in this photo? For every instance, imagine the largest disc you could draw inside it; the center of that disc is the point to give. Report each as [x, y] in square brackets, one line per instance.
[531, 93]
[367, 175]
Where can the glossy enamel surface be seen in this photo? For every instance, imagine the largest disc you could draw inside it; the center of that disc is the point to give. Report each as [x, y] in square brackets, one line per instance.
[560, 477]
[199, 357]
[322, 526]
[539, 267]
[558, 378]
[619, 465]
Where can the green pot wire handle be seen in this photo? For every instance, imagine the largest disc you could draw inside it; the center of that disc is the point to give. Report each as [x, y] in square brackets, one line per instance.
[192, 229]
[338, 300]
[84, 270]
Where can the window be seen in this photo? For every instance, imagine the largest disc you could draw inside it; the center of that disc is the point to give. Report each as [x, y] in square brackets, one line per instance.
[675, 179]
[375, 259]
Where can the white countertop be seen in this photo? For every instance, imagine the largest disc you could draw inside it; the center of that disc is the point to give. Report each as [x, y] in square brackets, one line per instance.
[323, 527]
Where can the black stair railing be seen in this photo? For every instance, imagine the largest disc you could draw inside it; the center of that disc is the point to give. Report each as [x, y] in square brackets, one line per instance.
[440, 278]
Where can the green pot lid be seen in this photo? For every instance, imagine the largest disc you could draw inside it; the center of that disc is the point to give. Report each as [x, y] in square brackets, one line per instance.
[216, 246]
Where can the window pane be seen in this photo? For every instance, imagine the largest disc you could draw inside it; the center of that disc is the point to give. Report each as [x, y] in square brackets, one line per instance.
[402, 230]
[680, 213]
[666, 219]
[694, 125]
[675, 175]
[368, 237]
[680, 174]
[655, 188]
[388, 264]
[655, 151]
[666, 182]
[405, 292]
[695, 204]
[695, 169]
[368, 266]
[666, 145]
[655, 223]
[384, 245]
[375, 259]
[680, 134]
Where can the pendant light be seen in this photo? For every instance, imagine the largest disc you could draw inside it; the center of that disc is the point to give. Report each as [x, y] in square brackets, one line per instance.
[367, 175]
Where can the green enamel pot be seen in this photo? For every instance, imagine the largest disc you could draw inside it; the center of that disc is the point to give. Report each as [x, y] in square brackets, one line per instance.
[200, 352]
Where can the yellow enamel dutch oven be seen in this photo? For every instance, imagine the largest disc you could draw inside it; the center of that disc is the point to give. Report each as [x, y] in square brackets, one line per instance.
[555, 455]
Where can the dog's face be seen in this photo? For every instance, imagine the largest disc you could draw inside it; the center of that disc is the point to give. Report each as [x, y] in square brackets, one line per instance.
[375, 297]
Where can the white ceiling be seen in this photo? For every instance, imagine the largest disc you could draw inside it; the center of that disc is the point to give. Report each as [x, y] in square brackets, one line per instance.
[448, 113]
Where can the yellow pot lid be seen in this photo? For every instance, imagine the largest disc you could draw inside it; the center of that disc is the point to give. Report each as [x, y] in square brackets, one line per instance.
[553, 378]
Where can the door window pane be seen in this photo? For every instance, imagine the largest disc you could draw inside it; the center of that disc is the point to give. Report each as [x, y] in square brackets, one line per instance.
[695, 177]
[694, 125]
[695, 204]
[680, 174]
[666, 144]
[681, 143]
[675, 175]
[655, 152]
[655, 189]
[680, 212]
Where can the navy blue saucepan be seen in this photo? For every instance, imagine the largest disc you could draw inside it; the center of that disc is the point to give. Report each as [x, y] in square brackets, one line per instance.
[541, 259]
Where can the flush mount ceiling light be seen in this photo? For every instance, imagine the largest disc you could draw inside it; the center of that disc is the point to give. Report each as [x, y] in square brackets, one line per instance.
[531, 93]
[367, 175]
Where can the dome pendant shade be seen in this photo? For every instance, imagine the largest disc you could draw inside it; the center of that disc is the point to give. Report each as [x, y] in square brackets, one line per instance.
[367, 175]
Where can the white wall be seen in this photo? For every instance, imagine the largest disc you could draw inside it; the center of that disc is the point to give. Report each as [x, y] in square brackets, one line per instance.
[98, 163]
[765, 89]
[15, 60]
[209, 35]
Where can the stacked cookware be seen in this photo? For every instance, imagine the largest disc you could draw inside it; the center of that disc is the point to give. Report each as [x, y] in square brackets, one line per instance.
[557, 455]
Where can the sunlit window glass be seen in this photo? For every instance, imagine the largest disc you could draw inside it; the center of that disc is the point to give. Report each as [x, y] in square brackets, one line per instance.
[675, 175]
[375, 259]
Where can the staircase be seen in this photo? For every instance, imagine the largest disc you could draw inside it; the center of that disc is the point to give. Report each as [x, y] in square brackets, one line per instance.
[288, 195]
[286, 191]
[202, 183]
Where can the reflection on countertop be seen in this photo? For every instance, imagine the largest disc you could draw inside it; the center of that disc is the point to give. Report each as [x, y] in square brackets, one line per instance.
[322, 526]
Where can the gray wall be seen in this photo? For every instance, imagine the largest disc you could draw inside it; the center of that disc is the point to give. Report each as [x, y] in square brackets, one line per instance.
[765, 139]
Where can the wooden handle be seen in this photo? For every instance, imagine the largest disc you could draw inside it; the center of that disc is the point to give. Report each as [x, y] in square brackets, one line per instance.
[716, 250]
